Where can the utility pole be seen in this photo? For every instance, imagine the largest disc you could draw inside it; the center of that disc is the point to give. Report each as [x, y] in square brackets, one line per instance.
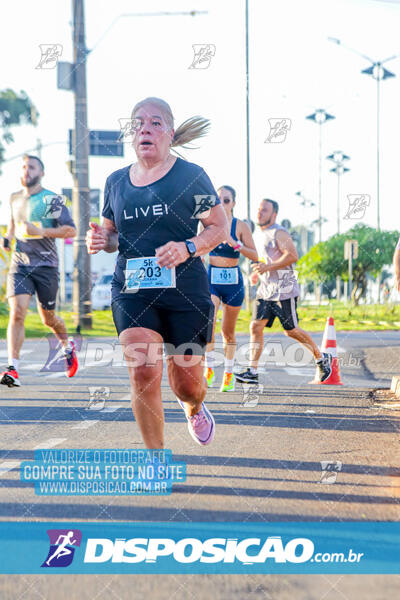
[80, 194]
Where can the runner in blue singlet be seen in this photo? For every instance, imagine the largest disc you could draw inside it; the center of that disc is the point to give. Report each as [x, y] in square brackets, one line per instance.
[227, 287]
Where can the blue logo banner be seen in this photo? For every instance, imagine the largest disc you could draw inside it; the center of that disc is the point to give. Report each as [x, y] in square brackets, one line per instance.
[290, 547]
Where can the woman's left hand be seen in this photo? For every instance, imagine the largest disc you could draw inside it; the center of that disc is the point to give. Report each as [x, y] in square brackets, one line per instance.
[172, 254]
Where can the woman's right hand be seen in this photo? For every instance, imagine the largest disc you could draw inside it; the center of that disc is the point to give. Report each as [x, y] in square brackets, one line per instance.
[96, 238]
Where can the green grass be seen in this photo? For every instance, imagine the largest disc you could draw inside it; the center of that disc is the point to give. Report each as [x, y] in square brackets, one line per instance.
[102, 324]
[347, 318]
[311, 318]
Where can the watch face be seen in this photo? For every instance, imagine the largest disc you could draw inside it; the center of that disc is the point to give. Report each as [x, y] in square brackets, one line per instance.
[191, 247]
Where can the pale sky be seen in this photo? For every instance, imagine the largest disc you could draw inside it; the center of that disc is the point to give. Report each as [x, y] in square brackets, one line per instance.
[293, 71]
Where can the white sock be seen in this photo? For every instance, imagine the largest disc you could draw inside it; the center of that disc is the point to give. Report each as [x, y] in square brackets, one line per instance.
[210, 360]
[229, 362]
[67, 348]
[13, 362]
[253, 370]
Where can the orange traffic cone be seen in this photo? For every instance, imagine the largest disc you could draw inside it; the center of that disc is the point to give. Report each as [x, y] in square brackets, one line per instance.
[329, 346]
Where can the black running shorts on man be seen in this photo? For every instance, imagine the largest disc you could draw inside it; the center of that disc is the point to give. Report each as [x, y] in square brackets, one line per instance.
[30, 280]
[147, 217]
[285, 310]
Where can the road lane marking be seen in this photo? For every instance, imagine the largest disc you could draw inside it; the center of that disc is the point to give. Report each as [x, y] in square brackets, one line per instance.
[4, 353]
[8, 466]
[50, 443]
[84, 424]
[300, 371]
[48, 375]
[111, 409]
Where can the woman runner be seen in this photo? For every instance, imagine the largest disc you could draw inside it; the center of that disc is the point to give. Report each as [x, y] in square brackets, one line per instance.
[227, 287]
[160, 291]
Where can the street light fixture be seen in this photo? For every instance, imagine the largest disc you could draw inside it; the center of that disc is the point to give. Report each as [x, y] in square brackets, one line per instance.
[378, 73]
[338, 157]
[319, 222]
[191, 13]
[320, 116]
[305, 201]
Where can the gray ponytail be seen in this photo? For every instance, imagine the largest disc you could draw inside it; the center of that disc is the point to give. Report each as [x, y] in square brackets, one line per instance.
[188, 131]
[191, 129]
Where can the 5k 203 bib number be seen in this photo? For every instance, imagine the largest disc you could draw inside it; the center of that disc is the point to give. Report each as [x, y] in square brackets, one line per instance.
[145, 273]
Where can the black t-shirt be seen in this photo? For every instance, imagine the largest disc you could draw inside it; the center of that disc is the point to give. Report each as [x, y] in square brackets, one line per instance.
[147, 217]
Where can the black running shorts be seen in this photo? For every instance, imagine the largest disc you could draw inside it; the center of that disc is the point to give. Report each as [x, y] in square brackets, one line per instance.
[186, 330]
[43, 281]
[285, 310]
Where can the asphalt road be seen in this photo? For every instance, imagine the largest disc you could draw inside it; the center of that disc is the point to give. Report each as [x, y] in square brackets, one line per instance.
[264, 464]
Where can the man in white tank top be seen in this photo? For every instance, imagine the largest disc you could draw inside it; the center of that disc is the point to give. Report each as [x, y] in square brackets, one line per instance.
[277, 293]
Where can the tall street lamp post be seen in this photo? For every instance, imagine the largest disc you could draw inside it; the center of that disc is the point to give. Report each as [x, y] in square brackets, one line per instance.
[379, 73]
[320, 116]
[338, 157]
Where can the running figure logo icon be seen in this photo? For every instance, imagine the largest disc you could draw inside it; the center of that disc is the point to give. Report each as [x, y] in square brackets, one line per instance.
[278, 129]
[357, 206]
[55, 362]
[132, 281]
[204, 204]
[330, 469]
[62, 547]
[203, 54]
[50, 55]
[97, 397]
[251, 394]
[285, 283]
[128, 128]
[54, 206]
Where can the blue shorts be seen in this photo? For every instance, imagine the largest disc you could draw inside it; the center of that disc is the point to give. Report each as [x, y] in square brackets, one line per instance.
[230, 294]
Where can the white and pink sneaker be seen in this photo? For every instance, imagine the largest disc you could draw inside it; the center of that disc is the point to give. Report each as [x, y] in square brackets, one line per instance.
[201, 426]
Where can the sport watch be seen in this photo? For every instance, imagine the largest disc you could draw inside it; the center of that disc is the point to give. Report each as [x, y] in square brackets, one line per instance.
[191, 248]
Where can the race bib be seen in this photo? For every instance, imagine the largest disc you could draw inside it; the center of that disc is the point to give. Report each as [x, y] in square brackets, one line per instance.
[224, 276]
[145, 273]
